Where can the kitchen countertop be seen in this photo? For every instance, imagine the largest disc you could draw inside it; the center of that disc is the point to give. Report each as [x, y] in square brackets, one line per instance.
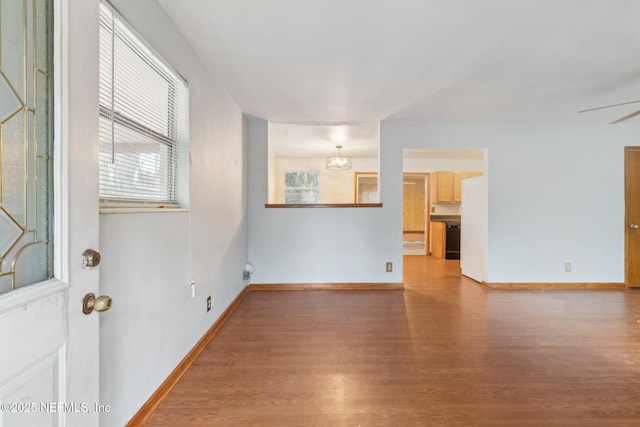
[445, 218]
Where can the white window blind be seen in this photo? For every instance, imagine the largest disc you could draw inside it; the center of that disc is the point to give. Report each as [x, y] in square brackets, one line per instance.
[144, 119]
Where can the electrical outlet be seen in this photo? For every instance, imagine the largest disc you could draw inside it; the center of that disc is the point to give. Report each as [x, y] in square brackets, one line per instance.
[389, 267]
[567, 267]
[209, 303]
[248, 270]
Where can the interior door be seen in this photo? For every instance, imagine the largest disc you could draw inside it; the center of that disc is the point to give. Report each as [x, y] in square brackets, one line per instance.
[632, 215]
[49, 354]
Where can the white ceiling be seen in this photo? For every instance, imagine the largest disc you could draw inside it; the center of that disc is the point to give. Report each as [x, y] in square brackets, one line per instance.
[320, 140]
[358, 140]
[368, 60]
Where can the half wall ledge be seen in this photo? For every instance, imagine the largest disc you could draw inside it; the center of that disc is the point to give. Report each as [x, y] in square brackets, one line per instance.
[324, 205]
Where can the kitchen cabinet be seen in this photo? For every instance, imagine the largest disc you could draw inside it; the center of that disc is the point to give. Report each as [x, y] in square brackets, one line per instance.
[447, 186]
[442, 187]
[457, 185]
[437, 240]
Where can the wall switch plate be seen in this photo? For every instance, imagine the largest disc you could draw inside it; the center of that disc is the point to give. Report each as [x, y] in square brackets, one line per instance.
[567, 267]
[209, 303]
[389, 267]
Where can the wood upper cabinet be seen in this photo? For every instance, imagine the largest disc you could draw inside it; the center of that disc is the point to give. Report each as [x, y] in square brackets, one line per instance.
[442, 187]
[447, 186]
[457, 185]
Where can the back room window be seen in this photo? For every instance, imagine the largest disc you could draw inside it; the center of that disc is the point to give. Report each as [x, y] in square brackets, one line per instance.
[302, 187]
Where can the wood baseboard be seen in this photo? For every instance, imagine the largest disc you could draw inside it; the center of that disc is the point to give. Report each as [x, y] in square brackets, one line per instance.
[150, 406]
[329, 286]
[565, 286]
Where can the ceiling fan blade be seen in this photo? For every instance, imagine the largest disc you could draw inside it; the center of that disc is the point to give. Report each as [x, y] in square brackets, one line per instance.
[627, 117]
[608, 106]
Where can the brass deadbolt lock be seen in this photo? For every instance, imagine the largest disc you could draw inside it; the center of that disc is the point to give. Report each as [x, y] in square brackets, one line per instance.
[90, 259]
[90, 303]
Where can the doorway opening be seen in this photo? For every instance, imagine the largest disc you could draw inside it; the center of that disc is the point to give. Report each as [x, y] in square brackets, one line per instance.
[414, 208]
[445, 198]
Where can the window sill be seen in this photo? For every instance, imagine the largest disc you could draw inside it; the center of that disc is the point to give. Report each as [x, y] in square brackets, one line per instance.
[115, 210]
[324, 205]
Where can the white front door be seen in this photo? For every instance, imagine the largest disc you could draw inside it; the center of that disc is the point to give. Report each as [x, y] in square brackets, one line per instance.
[49, 362]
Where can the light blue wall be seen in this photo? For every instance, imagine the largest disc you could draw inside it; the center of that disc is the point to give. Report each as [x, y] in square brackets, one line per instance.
[555, 195]
[317, 245]
[149, 258]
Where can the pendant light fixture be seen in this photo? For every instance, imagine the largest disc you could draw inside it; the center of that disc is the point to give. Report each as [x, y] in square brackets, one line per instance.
[339, 162]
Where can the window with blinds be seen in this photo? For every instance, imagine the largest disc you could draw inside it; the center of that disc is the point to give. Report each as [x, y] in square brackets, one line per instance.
[144, 119]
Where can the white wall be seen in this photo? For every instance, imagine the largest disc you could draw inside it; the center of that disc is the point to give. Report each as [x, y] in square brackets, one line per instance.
[147, 257]
[555, 195]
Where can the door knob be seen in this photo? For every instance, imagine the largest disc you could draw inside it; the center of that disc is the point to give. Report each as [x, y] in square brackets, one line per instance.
[90, 302]
[90, 259]
[633, 226]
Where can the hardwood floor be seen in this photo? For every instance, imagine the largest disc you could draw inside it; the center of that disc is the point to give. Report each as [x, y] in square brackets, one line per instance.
[443, 352]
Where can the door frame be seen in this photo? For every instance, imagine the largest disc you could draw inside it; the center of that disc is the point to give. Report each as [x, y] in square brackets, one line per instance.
[629, 258]
[356, 183]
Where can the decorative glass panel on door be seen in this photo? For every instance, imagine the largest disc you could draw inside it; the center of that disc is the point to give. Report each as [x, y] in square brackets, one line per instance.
[25, 143]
